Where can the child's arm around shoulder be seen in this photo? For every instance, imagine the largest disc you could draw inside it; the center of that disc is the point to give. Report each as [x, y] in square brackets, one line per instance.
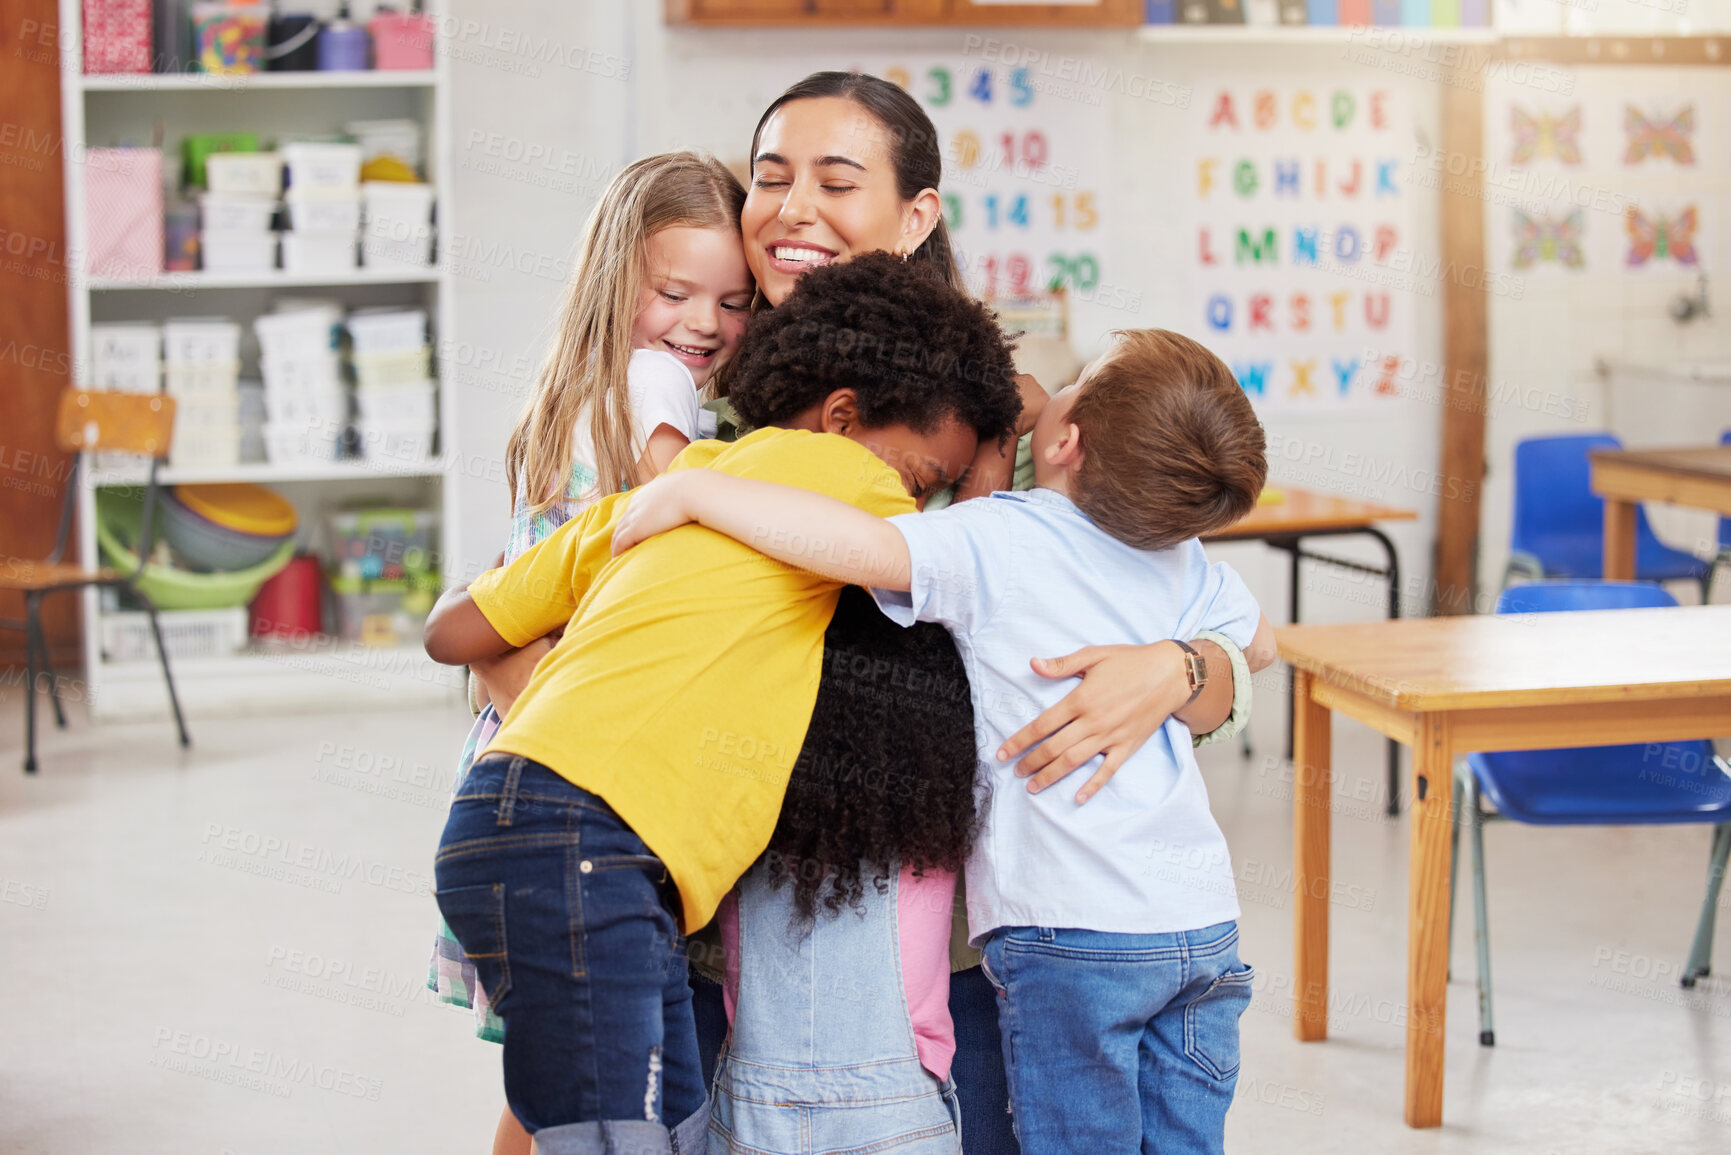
[1262, 650]
[528, 599]
[457, 632]
[807, 530]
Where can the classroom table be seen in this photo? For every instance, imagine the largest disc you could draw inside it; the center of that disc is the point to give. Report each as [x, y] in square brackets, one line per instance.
[1301, 513]
[1448, 686]
[1699, 477]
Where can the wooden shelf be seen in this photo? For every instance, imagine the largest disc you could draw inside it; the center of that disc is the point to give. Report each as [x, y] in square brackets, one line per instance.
[263, 81]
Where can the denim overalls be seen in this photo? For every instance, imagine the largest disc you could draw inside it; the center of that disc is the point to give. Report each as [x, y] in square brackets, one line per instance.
[822, 1059]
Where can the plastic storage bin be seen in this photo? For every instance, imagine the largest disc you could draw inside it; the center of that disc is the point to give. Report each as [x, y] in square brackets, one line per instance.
[232, 213]
[377, 544]
[398, 201]
[322, 165]
[231, 252]
[244, 173]
[307, 407]
[125, 634]
[230, 38]
[206, 434]
[211, 339]
[386, 614]
[126, 357]
[196, 149]
[402, 40]
[300, 444]
[323, 210]
[400, 139]
[387, 330]
[318, 252]
[404, 367]
[415, 404]
[206, 380]
[298, 333]
[413, 252]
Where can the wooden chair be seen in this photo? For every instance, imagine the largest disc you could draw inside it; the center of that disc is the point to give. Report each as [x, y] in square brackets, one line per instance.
[141, 423]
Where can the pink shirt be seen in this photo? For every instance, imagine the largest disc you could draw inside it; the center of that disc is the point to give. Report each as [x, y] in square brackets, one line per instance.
[924, 907]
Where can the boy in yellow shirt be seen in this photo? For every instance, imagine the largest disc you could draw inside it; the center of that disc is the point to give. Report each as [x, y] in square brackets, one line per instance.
[641, 770]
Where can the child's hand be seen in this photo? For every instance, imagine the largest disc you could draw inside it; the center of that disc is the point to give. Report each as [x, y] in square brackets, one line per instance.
[1261, 651]
[661, 505]
[506, 676]
[1034, 398]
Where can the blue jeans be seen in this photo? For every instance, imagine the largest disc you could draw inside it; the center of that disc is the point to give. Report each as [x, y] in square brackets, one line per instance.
[1119, 1042]
[978, 1068]
[569, 920]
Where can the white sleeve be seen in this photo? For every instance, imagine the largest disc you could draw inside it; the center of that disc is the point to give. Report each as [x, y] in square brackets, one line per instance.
[959, 569]
[662, 393]
[1226, 605]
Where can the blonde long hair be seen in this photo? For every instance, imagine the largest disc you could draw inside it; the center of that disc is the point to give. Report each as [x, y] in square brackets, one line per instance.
[585, 370]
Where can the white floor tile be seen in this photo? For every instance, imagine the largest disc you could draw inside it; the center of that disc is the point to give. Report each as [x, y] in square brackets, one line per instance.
[224, 951]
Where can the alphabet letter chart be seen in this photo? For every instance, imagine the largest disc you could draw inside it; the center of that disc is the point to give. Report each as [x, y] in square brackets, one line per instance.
[1025, 171]
[1302, 272]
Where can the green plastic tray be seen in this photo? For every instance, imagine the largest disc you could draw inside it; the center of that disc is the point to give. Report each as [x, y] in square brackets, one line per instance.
[118, 514]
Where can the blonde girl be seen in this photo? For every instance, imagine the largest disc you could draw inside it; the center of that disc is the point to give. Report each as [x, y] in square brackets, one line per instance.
[658, 298]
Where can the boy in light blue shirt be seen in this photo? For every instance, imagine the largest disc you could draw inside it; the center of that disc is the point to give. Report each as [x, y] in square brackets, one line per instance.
[1110, 929]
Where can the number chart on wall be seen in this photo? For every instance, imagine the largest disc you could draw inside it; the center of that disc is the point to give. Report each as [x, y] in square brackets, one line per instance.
[1024, 173]
[1302, 272]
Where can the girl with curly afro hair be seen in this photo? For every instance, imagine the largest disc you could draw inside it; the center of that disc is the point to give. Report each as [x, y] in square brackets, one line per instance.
[836, 943]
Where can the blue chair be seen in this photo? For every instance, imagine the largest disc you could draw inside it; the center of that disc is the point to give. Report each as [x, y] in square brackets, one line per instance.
[1724, 557]
[1559, 527]
[1643, 784]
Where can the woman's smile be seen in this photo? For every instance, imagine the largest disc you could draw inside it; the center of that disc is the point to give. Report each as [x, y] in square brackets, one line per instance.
[823, 188]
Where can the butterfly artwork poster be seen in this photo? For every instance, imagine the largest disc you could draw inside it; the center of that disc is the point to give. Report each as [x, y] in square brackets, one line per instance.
[1625, 175]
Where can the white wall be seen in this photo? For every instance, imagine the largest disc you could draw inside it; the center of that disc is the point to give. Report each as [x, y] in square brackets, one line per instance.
[1554, 328]
[706, 88]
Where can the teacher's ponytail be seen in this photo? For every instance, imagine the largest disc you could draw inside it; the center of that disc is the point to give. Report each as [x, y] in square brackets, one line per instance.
[914, 147]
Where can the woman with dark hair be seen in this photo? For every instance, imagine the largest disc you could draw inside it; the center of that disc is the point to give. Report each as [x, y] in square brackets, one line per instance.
[845, 164]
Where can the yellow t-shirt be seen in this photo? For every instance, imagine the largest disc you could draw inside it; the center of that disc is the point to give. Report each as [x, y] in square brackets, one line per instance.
[684, 683]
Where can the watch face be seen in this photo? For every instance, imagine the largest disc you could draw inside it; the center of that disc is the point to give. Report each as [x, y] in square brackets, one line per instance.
[1197, 669]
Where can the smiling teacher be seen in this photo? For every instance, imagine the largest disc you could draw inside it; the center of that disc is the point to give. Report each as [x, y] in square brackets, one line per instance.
[844, 164]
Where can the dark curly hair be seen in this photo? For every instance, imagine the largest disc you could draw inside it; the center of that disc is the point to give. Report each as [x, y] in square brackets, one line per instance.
[915, 351]
[885, 779]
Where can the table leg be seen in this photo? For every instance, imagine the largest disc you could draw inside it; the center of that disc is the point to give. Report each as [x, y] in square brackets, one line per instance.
[1427, 919]
[1393, 612]
[1619, 540]
[1292, 549]
[1312, 799]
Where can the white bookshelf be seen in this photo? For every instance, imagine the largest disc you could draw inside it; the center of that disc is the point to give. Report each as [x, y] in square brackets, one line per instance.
[274, 279]
[98, 111]
[259, 82]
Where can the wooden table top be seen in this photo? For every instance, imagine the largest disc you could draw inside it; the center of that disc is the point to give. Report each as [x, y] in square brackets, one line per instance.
[1303, 511]
[1711, 462]
[1501, 660]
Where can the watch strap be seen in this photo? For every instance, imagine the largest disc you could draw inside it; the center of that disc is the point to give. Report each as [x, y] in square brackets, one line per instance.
[1195, 669]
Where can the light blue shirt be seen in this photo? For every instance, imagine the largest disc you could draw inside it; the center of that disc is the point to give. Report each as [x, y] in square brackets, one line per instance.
[1016, 576]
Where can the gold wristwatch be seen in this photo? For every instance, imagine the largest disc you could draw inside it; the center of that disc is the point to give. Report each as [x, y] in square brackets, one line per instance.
[1195, 669]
